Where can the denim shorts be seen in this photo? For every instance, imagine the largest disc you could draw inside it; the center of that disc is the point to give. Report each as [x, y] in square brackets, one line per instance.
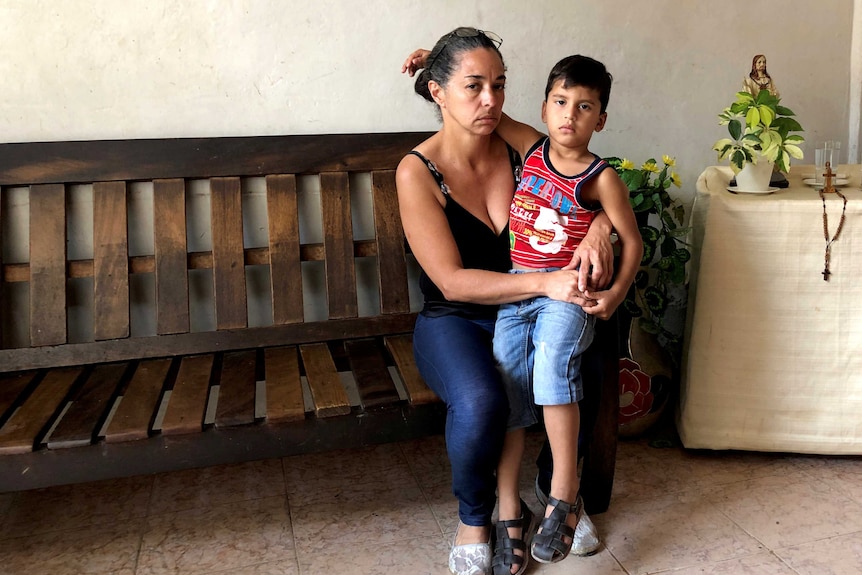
[538, 344]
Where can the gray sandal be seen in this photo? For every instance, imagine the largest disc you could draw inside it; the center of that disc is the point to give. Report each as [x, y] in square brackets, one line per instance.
[549, 544]
[504, 549]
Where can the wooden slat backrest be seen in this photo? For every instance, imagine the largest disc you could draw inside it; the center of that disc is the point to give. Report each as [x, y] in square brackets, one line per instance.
[169, 240]
[113, 167]
[338, 244]
[47, 264]
[2, 278]
[110, 261]
[228, 258]
[391, 254]
[285, 268]
[23, 164]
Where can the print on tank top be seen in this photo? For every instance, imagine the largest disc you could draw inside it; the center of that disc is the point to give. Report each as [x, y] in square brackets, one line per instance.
[547, 219]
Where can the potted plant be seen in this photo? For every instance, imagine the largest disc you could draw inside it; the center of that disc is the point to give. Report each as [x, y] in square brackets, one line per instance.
[665, 249]
[761, 132]
[652, 350]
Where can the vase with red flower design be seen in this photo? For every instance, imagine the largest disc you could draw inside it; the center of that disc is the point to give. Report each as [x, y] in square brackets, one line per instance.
[645, 382]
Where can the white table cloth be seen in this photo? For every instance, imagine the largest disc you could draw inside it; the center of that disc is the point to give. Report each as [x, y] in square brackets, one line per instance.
[773, 353]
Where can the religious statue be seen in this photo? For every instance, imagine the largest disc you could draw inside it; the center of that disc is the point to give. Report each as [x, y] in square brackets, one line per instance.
[759, 79]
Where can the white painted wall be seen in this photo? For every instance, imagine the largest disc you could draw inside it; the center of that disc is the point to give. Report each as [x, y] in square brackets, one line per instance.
[102, 69]
[84, 69]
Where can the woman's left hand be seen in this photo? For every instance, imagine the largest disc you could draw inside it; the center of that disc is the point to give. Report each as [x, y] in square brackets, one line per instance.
[415, 61]
[594, 258]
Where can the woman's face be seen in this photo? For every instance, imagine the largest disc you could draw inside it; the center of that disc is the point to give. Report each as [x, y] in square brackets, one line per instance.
[475, 92]
[760, 64]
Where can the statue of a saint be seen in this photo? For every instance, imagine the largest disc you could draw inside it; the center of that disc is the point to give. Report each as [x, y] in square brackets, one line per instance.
[759, 79]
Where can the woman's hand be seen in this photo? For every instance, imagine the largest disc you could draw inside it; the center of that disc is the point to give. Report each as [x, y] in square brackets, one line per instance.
[594, 256]
[415, 61]
[563, 286]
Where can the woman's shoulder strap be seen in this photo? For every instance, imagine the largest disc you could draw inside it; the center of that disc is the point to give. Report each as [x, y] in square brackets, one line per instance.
[516, 162]
[438, 177]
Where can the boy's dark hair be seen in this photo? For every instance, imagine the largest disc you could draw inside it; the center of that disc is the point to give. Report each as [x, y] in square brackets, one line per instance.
[584, 71]
[445, 55]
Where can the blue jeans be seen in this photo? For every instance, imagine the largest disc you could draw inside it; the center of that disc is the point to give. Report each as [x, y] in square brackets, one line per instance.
[455, 358]
[538, 345]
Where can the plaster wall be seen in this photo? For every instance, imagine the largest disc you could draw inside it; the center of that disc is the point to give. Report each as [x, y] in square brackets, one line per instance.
[99, 69]
[78, 69]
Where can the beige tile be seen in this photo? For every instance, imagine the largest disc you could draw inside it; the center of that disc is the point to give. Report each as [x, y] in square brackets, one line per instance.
[843, 475]
[443, 505]
[759, 564]
[816, 464]
[284, 567]
[428, 460]
[644, 471]
[361, 515]
[72, 506]
[422, 556]
[602, 563]
[834, 556]
[105, 550]
[199, 488]
[322, 476]
[648, 535]
[786, 511]
[225, 538]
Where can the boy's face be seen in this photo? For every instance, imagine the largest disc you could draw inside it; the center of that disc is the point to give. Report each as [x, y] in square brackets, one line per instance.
[572, 114]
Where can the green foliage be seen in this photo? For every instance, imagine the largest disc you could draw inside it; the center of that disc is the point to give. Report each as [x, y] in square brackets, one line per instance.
[759, 125]
[665, 249]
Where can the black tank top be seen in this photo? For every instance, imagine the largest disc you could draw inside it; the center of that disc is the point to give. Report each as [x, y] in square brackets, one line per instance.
[478, 245]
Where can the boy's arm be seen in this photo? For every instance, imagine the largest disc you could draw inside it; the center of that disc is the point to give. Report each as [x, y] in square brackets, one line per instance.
[518, 135]
[614, 197]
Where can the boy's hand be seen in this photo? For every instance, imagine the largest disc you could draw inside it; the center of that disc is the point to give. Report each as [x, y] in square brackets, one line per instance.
[606, 303]
[415, 61]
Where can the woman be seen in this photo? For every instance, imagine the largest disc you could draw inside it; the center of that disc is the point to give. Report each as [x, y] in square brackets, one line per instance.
[759, 79]
[454, 192]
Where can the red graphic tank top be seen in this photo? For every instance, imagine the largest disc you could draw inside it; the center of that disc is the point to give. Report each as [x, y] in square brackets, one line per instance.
[548, 218]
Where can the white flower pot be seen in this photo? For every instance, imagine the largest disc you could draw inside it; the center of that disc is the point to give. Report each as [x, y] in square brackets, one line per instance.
[755, 177]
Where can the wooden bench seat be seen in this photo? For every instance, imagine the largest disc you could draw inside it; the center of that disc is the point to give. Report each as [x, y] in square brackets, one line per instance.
[167, 304]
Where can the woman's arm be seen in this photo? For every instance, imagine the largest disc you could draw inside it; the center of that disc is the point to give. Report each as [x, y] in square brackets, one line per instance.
[594, 256]
[427, 230]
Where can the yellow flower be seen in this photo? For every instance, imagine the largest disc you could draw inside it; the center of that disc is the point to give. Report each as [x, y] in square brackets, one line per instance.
[626, 164]
[668, 161]
[650, 167]
[674, 177]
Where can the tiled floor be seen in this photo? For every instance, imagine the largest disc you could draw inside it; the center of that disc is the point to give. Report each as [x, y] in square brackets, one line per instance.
[388, 510]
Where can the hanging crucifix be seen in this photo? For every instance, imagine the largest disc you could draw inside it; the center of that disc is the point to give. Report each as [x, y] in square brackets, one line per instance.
[828, 188]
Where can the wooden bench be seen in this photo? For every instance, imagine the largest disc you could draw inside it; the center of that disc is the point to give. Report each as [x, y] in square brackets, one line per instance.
[177, 303]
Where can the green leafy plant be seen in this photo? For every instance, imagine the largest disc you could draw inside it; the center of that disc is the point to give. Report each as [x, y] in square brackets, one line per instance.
[759, 125]
[665, 249]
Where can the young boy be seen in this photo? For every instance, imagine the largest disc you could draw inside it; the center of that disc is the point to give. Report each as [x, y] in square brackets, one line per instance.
[538, 342]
